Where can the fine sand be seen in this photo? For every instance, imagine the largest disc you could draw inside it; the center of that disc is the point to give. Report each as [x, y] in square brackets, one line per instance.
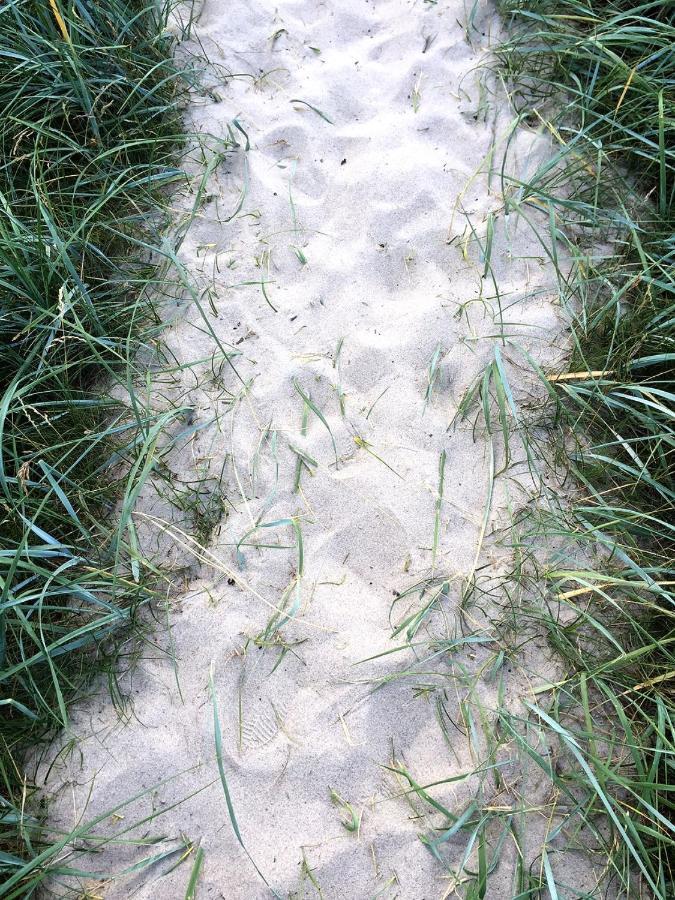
[356, 229]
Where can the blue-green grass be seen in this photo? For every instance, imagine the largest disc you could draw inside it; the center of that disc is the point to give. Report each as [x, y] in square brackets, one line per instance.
[91, 139]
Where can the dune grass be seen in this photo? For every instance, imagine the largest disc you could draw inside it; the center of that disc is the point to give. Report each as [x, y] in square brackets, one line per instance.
[599, 77]
[90, 142]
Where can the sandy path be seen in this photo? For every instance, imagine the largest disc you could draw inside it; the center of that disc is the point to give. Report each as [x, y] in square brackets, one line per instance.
[348, 224]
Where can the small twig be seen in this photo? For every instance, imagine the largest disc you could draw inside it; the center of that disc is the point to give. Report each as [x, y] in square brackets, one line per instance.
[573, 376]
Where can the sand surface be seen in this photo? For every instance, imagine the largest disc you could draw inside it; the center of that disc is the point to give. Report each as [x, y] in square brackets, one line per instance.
[354, 227]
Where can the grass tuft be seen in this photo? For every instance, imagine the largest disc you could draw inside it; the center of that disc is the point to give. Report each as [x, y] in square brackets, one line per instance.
[90, 143]
[599, 77]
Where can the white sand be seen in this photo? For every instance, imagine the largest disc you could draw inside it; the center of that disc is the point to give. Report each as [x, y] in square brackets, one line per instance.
[369, 201]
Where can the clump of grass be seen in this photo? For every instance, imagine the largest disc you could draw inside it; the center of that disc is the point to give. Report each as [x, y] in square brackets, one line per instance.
[600, 78]
[90, 137]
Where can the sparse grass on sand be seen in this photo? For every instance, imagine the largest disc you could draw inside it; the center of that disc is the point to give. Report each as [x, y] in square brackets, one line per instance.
[90, 137]
[600, 78]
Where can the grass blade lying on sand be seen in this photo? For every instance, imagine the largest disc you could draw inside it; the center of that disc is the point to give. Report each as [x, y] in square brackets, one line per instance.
[191, 891]
[217, 734]
[317, 412]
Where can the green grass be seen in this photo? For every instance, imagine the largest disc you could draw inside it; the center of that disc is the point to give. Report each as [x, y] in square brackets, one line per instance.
[90, 143]
[599, 78]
